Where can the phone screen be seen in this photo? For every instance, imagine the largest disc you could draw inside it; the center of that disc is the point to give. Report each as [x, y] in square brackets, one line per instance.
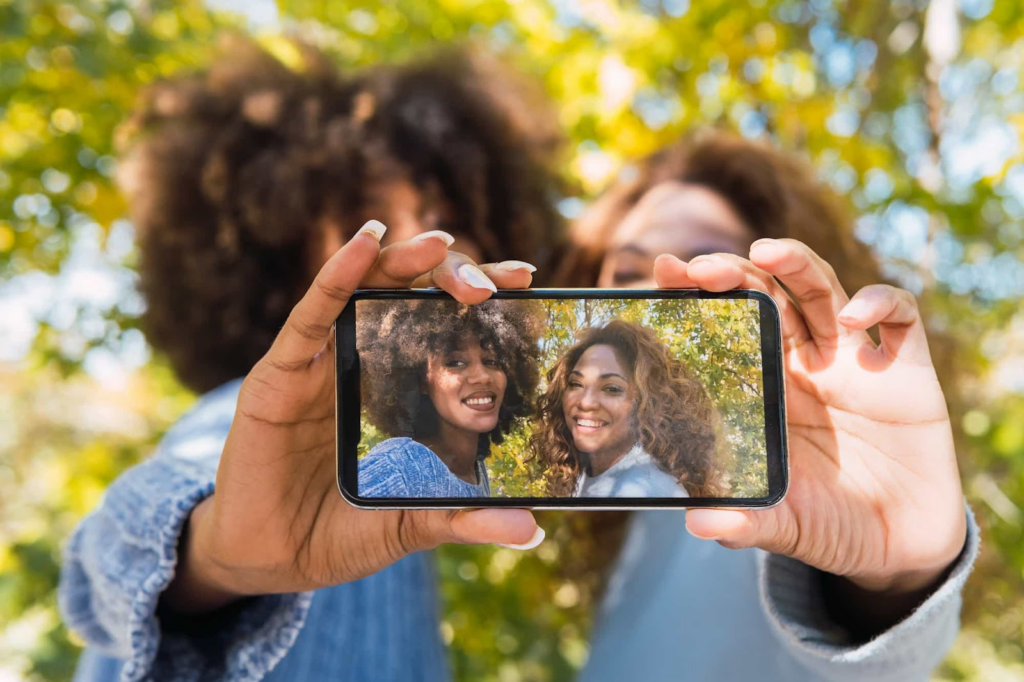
[567, 398]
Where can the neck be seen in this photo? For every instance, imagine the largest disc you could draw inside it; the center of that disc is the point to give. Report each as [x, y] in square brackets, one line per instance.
[457, 448]
[603, 460]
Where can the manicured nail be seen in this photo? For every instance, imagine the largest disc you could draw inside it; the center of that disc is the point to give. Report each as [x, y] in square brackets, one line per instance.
[538, 537]
[510, 265]
[374, 228]
[435, 234]
[474, 277]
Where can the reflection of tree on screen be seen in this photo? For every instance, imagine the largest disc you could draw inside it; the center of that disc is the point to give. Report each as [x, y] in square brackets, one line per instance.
[718, 339]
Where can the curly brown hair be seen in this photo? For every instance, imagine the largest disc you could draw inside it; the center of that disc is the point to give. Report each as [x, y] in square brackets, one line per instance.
[673, 418]
[776, 194]
[232, 174]
[396, 338]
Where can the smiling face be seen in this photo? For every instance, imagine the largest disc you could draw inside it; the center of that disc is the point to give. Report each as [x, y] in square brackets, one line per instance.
[597, 404]
[467, 387]
[684, 220]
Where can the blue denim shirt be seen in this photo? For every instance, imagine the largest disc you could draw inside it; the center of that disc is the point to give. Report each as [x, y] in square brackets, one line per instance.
[401, 467]
[676, 608]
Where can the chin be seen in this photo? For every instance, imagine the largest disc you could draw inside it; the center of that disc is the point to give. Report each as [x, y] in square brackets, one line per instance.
[486, 428]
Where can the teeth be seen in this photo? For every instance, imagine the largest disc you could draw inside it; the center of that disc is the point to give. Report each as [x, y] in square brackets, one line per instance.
[590, 423]
[479, 401]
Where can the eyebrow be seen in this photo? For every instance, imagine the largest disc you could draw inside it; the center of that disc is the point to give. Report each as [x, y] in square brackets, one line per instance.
[603, 376]
[631, 248]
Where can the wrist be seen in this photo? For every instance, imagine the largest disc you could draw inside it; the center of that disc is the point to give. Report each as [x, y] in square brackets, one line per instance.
[904, 583]
[931, 569]
[869, 606]
[200, 584]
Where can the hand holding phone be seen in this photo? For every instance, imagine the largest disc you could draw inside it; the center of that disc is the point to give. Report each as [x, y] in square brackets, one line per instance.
[276, 523]
[875, 493]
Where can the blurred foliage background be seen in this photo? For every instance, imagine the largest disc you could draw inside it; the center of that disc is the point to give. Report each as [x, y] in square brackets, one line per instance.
[913, 110]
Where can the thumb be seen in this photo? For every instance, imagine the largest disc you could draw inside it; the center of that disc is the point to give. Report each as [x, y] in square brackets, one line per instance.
[514, 528]
[737, 529]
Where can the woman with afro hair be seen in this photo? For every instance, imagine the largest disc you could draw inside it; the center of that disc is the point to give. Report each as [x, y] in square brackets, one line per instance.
[229, 553]
[444, 381]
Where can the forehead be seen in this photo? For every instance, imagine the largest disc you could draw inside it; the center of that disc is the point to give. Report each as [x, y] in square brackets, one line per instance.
[674, 217]
[599, 359]
[464, 345]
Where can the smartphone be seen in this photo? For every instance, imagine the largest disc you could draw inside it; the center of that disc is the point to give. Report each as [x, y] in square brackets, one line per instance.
[564, 398]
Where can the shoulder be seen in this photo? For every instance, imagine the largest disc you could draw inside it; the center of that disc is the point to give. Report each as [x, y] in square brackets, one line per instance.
[644, 479]
[381, 471]
[200, 434]
[401, 450]
[399, 467]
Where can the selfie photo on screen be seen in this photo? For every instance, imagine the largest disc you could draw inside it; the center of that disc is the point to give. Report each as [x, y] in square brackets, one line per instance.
[562, 398]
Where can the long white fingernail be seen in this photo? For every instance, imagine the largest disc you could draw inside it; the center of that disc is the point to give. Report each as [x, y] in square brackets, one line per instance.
[374, 228]
[474, 277]
[538, 537]
[435, 234]
[510, 265]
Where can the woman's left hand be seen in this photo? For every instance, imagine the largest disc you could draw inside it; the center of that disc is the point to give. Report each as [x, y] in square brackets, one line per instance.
[874, 493]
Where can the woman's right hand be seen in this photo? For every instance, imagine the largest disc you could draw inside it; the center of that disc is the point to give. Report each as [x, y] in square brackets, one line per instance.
[276, 522]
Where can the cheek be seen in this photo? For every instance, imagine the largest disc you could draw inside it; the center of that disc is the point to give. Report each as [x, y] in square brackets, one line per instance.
[443, 383]
[604, 278]
[620, 408]
[468, 248]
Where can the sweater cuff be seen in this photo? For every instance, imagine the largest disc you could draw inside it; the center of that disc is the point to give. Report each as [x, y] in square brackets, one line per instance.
[791, 593]
[123, 557]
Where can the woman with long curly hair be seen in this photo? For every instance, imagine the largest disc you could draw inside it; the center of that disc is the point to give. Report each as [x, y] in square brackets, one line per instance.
[622, 417]
[444, 380]
[874, 493]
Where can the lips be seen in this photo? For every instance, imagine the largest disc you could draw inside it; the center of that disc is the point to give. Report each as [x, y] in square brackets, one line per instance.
[481, 401]
[586, 425]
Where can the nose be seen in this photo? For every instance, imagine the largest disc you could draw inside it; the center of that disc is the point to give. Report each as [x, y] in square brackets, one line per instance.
[477, 373]
[588, 400]
[648, 283]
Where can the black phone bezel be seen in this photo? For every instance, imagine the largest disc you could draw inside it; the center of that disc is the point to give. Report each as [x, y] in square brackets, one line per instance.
[348, 389]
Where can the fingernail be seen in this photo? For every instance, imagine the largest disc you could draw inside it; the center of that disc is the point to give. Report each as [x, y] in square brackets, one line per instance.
[699, 537]
[510, 265]
[474, 277]
[703, 259]
[765, 241]
[435, 234]
[538, 537]
[855, 310]
[374, 228]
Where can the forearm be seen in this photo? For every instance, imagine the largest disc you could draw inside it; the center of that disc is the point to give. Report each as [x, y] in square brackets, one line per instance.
[797, 607]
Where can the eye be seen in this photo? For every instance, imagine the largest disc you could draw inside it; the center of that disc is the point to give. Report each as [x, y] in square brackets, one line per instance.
[627, 277]
[614, 389]
[491, 362]
[575, 384]
[455, 363]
